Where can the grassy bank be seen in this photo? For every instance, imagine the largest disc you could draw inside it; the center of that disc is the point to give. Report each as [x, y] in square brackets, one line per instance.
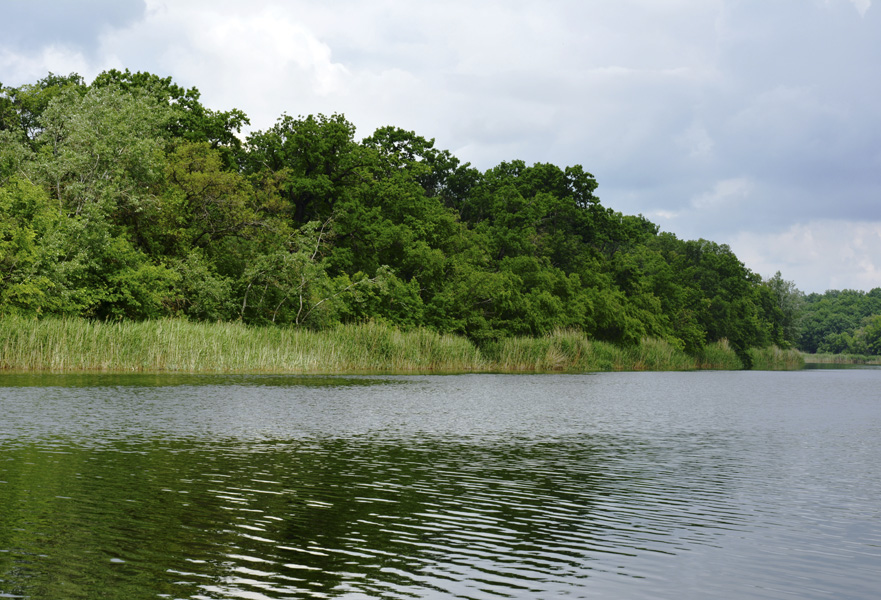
[572, 351]
[182, 346]
[775, 359]
[841, 359]
[70, 345]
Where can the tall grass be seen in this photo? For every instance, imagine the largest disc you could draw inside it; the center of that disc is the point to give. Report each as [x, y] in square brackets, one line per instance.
[567, 350]
[719, 356]
[70, 345]
[776, 359]
[181, 346]
[841, 359]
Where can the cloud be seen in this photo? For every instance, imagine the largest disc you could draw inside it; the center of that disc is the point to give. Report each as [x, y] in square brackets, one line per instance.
[696, 141]
[715, 117]
[264, 60]
[18, 68]
[724, 193]
[32, 25]
[862, 6]
[818, 255]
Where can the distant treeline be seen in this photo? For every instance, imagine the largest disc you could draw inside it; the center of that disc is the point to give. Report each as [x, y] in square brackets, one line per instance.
[128, 199]
[841, 322]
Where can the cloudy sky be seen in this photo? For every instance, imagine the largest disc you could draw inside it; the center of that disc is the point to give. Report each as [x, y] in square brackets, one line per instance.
[754, 123]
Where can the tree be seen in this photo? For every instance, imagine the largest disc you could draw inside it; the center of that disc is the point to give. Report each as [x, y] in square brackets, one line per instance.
[316, 158]
[787, 301]
[22, 108]
[835, 312]
[26, 217]
[102, 148]
[870, 335]
[404, 151]
[290, 284]
[190, 120]
[204, 203]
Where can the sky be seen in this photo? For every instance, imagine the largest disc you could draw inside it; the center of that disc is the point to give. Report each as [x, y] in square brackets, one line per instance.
[752, 123]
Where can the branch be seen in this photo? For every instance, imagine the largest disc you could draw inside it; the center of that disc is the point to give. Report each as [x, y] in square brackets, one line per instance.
[342, 291]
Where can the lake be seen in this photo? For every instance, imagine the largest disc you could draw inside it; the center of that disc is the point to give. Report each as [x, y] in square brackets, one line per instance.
[609, 485]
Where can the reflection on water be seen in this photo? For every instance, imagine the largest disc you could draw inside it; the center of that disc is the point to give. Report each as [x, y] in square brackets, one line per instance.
[678, 485]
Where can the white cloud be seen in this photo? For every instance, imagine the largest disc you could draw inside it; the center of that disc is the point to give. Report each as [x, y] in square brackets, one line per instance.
[724, 193]
[696, 142]
[713, 116]
[264, 60]
[862, 6]
[17, 68]
[818, 255]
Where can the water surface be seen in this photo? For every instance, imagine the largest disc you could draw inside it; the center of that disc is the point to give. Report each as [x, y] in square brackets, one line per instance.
[624, 485]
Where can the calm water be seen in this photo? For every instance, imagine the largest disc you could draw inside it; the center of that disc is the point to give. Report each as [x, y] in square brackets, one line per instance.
[618, 485]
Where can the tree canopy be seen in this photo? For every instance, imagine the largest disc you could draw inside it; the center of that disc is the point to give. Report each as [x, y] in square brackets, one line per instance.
[842, 321]
[127, 198]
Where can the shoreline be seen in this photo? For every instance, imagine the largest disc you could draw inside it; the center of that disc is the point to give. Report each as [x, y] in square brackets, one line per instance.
[840, 359]
[176, 346]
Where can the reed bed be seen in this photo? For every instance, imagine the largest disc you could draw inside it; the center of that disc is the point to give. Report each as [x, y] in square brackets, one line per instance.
[559, 351]
[719, 356]
[841, 359]
[179, 346]
[776, 359]
[567, 350]
[659, 355]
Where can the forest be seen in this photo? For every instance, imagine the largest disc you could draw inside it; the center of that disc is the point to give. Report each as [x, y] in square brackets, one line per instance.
[841, 322]
[128, 199]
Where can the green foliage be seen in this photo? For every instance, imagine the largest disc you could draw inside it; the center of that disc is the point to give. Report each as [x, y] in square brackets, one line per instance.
[128, 199]
[27, 217]
[22, 108]
[189, 120]
[773, 358]
[101, 149]
[870, 335]
[317, 160]
[99, 273]
[840, 322]
[200, 292]
[785, 310]
[203, 203]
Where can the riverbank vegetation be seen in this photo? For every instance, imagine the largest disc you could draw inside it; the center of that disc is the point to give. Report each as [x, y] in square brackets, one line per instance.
[846, 322]
[128, 201]
[827, 358]
[178, 346]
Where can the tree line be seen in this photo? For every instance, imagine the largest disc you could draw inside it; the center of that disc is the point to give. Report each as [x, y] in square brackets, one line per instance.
[841, 321]
[127, 198]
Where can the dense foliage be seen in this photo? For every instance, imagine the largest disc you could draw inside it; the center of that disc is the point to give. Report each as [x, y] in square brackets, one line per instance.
[129, 199]
[846, 321]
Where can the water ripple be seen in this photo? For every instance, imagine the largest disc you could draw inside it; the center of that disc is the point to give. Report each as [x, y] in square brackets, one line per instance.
[627, 486]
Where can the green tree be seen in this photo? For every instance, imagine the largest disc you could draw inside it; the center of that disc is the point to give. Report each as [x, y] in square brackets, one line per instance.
[22, 108]
[203, 203]
[102, 148]
[870, 335]
[189, 119]
[787, 303]
[316, 158]
[97, 272]
[401, 150]
[835, 312]
[27, 216]
[290, 283]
